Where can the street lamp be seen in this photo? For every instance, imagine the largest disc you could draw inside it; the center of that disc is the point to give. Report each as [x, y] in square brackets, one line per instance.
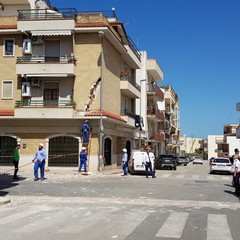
[143, 96]
[101, 35]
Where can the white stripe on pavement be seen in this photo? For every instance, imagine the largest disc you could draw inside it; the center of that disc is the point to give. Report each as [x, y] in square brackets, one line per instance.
[180, 176]
[173, 226]
[195, 176]
[166, 175]
[218, 227]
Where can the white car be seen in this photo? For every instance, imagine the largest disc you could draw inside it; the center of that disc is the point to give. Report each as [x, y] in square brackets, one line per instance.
[197, 160]
[221, 165]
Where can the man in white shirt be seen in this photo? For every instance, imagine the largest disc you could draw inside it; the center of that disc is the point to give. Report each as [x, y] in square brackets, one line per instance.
[236, 173]
[150, 163]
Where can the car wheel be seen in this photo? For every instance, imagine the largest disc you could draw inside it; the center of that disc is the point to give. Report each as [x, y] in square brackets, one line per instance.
[185, 164]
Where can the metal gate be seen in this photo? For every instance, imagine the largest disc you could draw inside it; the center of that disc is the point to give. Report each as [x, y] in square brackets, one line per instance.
[7, 144]
[63, 151]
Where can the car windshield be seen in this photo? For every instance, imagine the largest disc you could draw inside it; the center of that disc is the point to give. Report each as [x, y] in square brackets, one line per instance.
[221, 160]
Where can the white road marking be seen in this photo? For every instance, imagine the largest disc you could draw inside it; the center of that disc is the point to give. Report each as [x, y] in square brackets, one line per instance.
[173, 226]
[195, 176]
[218, 227]
[166, 175]
[180, 176]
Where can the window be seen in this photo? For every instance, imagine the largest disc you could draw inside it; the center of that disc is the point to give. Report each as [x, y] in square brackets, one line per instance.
[8, 47]
[7, 89]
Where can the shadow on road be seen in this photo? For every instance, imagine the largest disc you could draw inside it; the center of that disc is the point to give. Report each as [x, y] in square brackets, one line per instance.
[7, 181]
[232, 193]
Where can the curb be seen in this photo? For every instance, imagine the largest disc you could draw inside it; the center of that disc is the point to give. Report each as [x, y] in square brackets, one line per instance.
[2, 202]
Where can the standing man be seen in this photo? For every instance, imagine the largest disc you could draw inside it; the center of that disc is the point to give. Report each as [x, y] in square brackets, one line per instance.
[236, 174]
[85, 131]
[16, 158]
[236, 152]
[39, 162]
[124, 162]
[149, 162]
[83, 160]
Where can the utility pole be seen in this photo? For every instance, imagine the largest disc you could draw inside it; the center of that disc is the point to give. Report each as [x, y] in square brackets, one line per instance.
[101, 35]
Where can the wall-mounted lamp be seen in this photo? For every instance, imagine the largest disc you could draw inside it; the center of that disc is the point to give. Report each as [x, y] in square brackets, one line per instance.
[1, 6]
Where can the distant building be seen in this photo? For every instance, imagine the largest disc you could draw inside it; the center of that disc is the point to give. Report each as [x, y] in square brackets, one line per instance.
[191, 145]
[238, 128]
[223, 145]
[172, 120]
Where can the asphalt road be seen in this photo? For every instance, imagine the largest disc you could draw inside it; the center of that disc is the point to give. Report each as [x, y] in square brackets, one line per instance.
[185, 204]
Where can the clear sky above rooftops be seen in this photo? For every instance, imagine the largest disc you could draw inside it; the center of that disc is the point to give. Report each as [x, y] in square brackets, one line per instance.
[196, 43]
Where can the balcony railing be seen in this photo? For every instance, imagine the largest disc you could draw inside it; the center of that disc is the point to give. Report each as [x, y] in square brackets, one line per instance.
[126, 112]
[125, 77]
[153, 88]
[157, 136]
[44, 103]
[43, 14]
[44, 59]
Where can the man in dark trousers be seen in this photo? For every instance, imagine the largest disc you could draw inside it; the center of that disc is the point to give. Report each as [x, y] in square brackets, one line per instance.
[83, 160]
[149, 163]
[16, 158]
[85, 131]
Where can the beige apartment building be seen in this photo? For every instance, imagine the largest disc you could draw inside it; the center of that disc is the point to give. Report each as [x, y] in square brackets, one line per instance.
[59, 68]
[172, 120]
[151, 105]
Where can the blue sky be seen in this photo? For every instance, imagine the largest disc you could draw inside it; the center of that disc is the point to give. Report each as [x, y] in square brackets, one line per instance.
[196, 43]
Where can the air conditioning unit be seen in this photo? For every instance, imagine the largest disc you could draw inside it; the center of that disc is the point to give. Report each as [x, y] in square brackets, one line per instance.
[35, 82]
[36, 40]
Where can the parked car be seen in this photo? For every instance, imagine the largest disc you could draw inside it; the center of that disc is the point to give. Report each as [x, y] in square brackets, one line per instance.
[197, 160]
[166, 161]
[136, 163]
[182, 160]
[221, 165]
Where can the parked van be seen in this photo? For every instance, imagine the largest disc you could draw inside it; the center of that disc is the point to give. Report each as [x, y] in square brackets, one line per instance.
[136, 162]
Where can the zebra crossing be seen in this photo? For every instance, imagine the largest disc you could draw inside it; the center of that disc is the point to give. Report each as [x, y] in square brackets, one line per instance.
[58, 222]
[194, 176]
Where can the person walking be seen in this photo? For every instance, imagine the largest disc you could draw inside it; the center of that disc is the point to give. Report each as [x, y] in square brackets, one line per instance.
[83, 160]
[39, 162]
[236, 174]
[124, 162]
[236, 152]
[149, 161]
[16, 158]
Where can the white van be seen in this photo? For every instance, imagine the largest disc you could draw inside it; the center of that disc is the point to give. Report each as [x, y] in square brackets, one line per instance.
[136, 162]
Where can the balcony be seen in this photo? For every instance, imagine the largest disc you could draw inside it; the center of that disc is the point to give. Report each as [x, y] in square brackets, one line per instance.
[44, 109]
[152, 112]
[46, 19]
[128, 116]
[157, 136]
[129, 87]
[46, 66]
[155, 91]
[220, 140]
[154, 69]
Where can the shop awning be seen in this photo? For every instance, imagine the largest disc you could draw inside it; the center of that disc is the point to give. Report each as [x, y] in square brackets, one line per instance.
[52, 33]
